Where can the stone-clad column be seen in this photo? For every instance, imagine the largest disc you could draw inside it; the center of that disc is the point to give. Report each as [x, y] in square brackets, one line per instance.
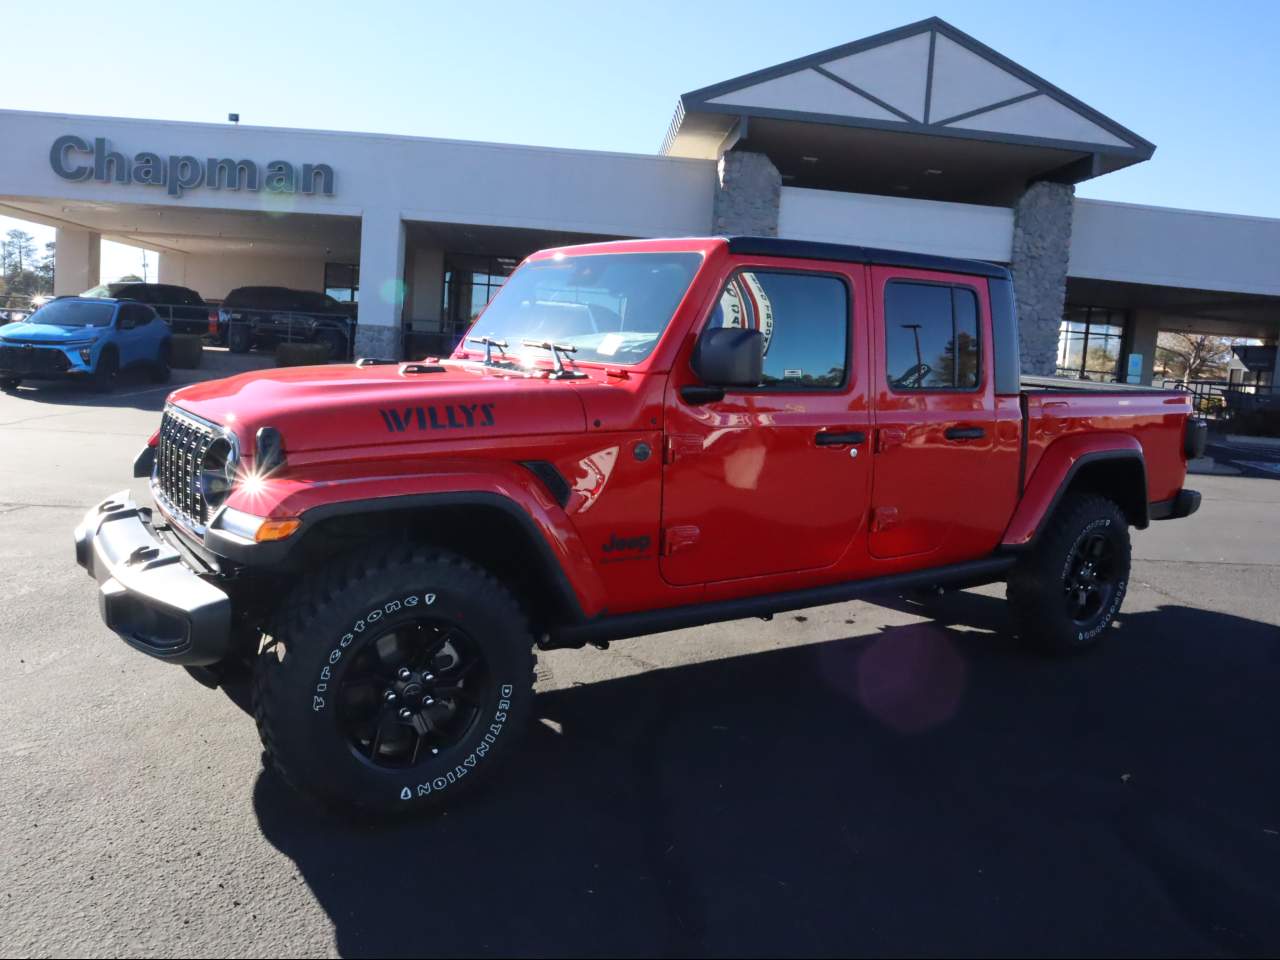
[748, 195]
[1041, 248]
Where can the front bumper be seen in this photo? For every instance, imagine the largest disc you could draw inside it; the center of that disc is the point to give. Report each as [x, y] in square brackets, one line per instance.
[147, 594]
[36, 362]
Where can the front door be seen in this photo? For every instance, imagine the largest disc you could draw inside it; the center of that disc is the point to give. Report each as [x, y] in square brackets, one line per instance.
[134, 339]
[934, 413]
[776, 478]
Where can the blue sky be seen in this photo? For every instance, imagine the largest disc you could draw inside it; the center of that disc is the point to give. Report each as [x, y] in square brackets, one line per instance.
[1198, 80]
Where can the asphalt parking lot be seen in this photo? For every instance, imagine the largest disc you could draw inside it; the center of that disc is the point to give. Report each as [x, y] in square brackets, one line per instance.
[854, 779]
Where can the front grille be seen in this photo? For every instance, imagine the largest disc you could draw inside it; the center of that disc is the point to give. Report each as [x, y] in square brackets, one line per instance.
[33, 360]
[184, 440]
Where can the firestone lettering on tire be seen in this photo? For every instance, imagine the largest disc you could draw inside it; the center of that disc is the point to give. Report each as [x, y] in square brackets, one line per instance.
[447, 779]
[318, 702]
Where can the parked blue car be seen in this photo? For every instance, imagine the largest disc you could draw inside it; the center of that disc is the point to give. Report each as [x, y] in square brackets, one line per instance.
[81, 337]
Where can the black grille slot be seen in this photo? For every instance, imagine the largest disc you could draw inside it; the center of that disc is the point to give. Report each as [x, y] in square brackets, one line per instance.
[183, 443]
[33, 360]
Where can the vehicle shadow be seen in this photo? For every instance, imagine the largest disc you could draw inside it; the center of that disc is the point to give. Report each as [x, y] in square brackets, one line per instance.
[923, 790]
[134, 387]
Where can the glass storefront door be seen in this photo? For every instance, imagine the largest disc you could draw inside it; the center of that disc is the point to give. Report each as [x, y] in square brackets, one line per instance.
[470, 282]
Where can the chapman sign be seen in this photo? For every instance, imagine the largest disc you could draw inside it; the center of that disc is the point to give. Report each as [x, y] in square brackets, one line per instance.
[72, 158]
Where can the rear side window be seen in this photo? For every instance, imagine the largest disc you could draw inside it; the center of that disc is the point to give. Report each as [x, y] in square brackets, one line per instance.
[931, 336]
[804, 318]
[265, 298]
[139, 314]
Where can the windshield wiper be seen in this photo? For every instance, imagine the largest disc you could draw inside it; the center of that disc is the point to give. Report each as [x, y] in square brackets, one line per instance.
[489, 344]
[555, 349]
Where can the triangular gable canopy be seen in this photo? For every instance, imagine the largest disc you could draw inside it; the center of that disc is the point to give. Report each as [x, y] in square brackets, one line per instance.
[926, 79]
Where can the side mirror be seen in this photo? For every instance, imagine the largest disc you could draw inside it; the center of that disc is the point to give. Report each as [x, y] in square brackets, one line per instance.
[729, 357]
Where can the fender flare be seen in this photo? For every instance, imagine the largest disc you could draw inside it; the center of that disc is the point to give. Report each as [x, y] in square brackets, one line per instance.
[546, 526]
[1057, 468]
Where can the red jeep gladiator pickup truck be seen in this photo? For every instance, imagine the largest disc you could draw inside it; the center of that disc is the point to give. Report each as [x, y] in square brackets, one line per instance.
[635, 437]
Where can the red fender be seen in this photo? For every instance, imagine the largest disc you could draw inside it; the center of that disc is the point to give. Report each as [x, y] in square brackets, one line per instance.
[1057, 466]
[332, 485]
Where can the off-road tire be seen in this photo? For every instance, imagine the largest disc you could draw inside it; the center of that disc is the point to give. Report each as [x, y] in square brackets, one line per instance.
[336, 342]
[239, 338]
[333, 622]
[1040, 588]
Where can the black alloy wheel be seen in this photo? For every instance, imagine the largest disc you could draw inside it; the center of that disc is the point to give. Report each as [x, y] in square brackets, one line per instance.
[1090, 581]
[411, 692]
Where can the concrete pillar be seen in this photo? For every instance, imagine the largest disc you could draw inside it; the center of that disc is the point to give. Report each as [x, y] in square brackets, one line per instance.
[748, 195]
[426, 286]
[1144, 331]
[172, 268]
[77, 261]
[1041, 247]
[379, 333]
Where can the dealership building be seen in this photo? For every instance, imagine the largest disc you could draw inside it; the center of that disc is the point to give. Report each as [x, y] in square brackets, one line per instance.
[919, 139]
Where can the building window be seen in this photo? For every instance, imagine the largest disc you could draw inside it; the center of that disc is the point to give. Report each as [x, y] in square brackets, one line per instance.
[1090, 344]
[342, 282]
[470, 282]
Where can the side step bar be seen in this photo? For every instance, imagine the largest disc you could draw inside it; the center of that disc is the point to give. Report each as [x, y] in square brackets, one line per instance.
[603, 630]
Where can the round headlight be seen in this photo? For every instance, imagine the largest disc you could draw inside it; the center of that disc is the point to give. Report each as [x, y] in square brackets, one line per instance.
[217, 472]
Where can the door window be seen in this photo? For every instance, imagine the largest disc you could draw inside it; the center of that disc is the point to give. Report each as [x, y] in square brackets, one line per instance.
[931, 336]
[804, 319]
[135, 315]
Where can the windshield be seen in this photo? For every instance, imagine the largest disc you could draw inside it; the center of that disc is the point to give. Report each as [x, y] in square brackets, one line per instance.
[74, 313]
[110, 290]
[612, 306]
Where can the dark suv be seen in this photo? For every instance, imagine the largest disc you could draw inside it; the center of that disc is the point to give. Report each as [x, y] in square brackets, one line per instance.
[264, 316]
[183, 310]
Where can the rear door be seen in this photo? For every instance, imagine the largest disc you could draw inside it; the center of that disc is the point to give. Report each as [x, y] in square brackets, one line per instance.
[772, 479]
[934, 413]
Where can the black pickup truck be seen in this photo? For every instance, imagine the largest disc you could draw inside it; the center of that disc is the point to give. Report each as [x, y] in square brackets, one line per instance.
[182, 309]
[264, 316]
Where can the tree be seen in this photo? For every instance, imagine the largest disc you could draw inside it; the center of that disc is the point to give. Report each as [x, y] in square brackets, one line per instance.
[18, 264]
[19, 251]
[1194, 356]
[44, 270]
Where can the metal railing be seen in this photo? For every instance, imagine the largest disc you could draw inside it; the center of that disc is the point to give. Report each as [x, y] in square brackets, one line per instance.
[1221, 399]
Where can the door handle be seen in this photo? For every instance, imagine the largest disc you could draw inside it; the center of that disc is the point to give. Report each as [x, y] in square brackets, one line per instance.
[965, 433]
[825, 439]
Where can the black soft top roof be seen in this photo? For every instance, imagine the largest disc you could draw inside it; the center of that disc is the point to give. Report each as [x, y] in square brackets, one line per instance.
[810, 250]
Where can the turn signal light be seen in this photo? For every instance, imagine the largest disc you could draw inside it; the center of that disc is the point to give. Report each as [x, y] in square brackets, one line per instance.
[276, 529]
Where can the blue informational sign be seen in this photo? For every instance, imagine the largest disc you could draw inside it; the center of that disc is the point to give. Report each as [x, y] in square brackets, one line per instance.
[1135, 368]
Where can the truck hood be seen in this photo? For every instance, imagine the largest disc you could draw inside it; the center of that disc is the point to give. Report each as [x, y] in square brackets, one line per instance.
[27, 332]
[342, 406]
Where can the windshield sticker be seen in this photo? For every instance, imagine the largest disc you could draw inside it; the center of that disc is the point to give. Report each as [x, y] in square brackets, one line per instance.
[448, 416]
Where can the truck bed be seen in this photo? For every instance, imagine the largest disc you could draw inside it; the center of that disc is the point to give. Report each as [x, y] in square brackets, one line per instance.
[1031, 384]
[1077, 411]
